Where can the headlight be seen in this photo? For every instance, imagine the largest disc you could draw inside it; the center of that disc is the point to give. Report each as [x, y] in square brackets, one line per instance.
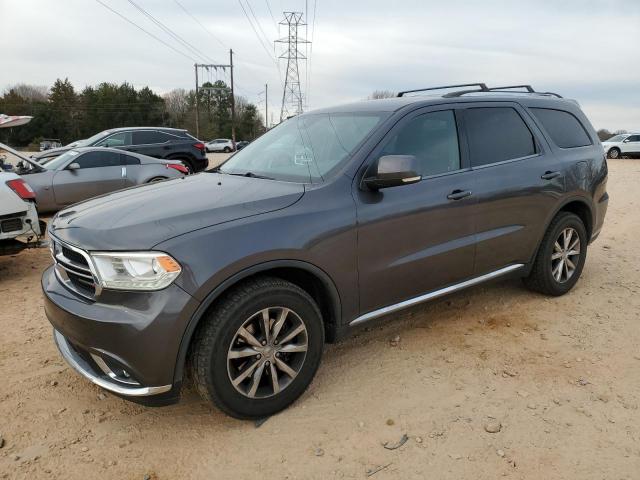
[135, 270]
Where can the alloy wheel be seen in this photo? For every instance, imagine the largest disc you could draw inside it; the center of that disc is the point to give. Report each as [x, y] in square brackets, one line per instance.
[267, 352]
[566, 255]
[614, 153]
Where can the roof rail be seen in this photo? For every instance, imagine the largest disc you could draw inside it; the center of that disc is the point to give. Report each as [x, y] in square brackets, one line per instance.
[481, 88]
[506, 89]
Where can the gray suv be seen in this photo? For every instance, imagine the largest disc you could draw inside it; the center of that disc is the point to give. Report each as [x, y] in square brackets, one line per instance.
[237, 276]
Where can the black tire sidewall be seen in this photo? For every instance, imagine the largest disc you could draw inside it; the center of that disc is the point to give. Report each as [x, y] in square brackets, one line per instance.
[569, 221]
[226, 393]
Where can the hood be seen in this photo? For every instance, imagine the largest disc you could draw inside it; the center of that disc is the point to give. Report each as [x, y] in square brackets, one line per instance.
[140, 217]
[52, 152]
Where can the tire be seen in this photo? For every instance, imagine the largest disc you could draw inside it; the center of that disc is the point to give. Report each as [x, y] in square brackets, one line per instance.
[544, 274]
[212, 369]
[613, 153]
[157, 179]
[227, 150]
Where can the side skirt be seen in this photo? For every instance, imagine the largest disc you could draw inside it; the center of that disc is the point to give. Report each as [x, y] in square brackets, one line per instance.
[435, 294]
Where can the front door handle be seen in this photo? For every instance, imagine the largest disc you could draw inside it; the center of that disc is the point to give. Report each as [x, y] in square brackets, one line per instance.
[459, 194]
[550, 175]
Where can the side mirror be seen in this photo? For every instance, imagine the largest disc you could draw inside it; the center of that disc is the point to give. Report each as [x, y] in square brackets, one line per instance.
[73, 166]
[392, 171]
[626, 140]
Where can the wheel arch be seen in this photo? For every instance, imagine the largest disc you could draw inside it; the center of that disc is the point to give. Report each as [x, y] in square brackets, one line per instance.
[315, 281]
[577, 205]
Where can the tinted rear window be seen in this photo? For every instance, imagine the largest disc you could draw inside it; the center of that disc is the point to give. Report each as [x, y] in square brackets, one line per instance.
[497, 134]
[147, 137]
[565, 130]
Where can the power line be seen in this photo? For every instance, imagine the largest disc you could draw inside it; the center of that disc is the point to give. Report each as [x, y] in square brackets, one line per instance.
[200, 23]
[146, 31]
[313, 31]
[177, 37]
[253, 14]
[275, 24]
[256, 32]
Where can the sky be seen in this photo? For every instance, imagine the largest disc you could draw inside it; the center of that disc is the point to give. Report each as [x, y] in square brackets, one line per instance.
[582, 49]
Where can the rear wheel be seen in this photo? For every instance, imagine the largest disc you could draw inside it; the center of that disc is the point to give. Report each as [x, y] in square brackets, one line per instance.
[258, 349]
[157, 179]
[227, 150]
[614, 153]
[561, 256]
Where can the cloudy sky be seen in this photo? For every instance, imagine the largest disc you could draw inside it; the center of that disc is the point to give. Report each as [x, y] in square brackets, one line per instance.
[584, 49]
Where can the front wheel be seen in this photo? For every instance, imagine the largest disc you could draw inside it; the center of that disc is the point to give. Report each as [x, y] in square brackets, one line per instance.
[614, 153]
[258, 349]
[561, 256]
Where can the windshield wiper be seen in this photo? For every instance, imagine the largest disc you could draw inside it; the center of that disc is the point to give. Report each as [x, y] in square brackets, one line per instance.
[251, 175]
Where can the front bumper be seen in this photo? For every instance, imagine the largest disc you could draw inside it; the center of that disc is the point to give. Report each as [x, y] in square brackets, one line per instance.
[125, 342]
[94, 375]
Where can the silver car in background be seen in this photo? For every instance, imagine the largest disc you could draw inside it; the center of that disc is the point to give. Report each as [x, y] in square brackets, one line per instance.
[87, 172]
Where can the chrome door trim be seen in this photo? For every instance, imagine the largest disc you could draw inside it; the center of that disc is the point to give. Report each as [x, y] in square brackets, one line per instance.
[435, 294]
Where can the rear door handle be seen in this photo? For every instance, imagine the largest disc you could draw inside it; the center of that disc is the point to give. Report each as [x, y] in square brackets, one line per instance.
[459, 194]
[550, 175]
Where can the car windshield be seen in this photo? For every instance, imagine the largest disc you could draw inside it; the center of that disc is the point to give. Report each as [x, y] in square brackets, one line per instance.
[57, 162]
[617, 138]
[90, 140]
[304, 148]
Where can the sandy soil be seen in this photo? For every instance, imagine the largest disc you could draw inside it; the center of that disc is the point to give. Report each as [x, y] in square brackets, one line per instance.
[561, 376]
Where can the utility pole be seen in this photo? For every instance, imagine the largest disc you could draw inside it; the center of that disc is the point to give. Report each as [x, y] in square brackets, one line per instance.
[266, 106]
[292, 94]
[207, 66]
[197, 98]
[233, 102]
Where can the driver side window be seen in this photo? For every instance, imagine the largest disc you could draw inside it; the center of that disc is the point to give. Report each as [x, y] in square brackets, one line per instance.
[117, 140]
[432, 138]
[98, 159]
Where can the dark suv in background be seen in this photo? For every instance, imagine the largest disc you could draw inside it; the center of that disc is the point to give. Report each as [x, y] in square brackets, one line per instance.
[332, 219]
[164, 143]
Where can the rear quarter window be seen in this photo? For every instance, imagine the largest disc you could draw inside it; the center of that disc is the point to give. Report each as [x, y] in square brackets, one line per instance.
[497, 134]
[565, 130]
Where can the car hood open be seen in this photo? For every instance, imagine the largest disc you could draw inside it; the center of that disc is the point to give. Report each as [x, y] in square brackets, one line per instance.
[140, 217]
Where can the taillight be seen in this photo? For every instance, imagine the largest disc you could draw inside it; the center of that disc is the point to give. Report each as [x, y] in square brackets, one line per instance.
[180, 168]
[22, 189]
[199, 146]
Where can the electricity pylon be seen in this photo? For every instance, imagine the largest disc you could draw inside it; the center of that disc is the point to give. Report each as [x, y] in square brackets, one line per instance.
[292, 93]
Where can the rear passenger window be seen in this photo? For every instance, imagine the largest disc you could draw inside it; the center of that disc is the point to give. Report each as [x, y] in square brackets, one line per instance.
[433, 139]
[565, 130]
[497, 134]
[148, 137]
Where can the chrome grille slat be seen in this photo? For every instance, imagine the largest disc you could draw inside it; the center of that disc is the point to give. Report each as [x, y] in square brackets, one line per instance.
[73, 269]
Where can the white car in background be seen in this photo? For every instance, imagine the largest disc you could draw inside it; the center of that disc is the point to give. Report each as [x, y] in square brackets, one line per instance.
[220, 145]
[19, 225]
[626, 144]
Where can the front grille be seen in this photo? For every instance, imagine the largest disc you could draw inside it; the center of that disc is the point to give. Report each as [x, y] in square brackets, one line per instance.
[11, 225]
[72, 267]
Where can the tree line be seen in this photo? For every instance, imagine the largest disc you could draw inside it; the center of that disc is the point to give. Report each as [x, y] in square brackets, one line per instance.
[63, 113]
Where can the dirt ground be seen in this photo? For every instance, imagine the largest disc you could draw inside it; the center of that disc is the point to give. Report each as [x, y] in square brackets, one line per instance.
[560, 379]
